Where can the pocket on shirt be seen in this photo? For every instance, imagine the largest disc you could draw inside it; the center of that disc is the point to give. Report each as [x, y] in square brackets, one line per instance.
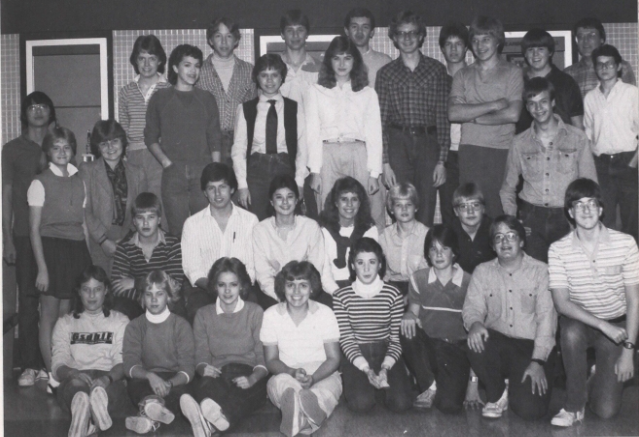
[528, 301]
[532, 165]
[613, 270]
[567, 161]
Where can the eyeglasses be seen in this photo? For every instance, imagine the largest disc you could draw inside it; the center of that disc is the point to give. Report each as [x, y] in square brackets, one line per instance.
[115, 142]
[412, 34]
[606, 65]
[508, 236]
[38, 107]
[588, 35]
[586, 205]
[470, 206]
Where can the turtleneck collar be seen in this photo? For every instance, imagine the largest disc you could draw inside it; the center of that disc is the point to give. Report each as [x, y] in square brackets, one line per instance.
[158, 318]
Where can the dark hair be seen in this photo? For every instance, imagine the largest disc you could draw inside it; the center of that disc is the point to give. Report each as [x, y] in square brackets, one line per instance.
[483, 25]
[298, 270]
[453, 28]
[608, 51]
[590, 23]
[366, 245]
[538, 38]
[36, 98]
[294, 17]
[218, 171]
[469, 190]
[536, 86]
[179, 53]
[146, 202]
[357, 13]
[230, 265]
[106, 130]
[283, 181]
[272, 61]
[57, 133]
[406, 17]
[444, 236]
[150, 44]
[214, 26]
[358, 75]
[578, 189]
[512, 223]
[162, 280]
[329, 217]
[97, 273]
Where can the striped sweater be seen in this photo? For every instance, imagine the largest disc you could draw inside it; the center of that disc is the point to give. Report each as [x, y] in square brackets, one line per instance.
[369, 320]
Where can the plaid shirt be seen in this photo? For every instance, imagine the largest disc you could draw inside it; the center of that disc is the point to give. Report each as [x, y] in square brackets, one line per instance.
[415, 98]
[241, 89]
[587, 79]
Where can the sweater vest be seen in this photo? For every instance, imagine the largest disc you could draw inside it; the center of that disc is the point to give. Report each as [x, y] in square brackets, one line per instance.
[290, 126]
[63, 210]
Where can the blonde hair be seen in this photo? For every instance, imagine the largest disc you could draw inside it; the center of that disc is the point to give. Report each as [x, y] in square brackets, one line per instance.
[163, 281]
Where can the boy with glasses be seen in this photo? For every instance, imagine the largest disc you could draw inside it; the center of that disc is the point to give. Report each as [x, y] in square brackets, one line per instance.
[594, 280]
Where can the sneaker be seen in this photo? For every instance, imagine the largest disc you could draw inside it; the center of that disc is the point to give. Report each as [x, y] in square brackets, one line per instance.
[192, 412]
[212, 412]
[425, 400]
[567, 418]
[42, 375]
[92, 430]
[290, 423]
[140, 424]
[158, 412]
[28, 378]
[99, 403]
[54, 383]
[494, 410]
[80, 415]
[311, 408]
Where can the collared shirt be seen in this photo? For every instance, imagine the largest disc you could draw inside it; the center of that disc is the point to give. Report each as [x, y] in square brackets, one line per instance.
[518, 305]
[404, 254]
[132, 105]
[298, 81]
[612, 123]
[36, 193]
[300, 346]
[415, 98]
[241, 88]
[596, 281]
[474, 251]
[238, 306]
[440, 304]
[547, 171]
[587, 79]
[340, 112]
[374, 60]
[240, 142]
[117, 177]
[203, 242]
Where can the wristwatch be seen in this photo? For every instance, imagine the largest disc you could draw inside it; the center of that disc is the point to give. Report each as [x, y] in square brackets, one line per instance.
[628, 345]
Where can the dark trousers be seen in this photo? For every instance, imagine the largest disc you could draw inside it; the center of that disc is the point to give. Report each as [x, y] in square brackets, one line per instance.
[236, 403]
[413, 159]
[225, 147]
[447, 190]
[260, 170]
[182, 194]
[505, 357]
[432, 359]
[618, 184]
[360, 394]
[140, 389]
[605, 392]
[70, 386]
[547, 225]
[485, 167]
[28, 303]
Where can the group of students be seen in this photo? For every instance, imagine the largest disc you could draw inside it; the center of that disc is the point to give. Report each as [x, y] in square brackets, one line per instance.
[316, 158]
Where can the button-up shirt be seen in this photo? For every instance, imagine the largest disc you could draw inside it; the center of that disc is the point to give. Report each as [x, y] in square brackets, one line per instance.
[612, 123]
[340, 112]
[415, 98]
[298, 81]
[518, 304]
[405, 253]
[587, 79]
[548, 170]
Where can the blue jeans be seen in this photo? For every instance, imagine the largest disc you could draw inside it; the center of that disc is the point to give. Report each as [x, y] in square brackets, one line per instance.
[181, 194]
[547, 225]
[140, 389]
[485, 167]
[70, 386]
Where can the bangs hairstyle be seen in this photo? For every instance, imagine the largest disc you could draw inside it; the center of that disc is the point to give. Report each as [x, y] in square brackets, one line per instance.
[512, 223]
[163, 281]
[36, 98]
[152, 45]
[538, 38]
[359, 74]
[58, 133]
[359, 13]
[97, 273]
[269, 61]
[483, 25]
[400, 191]
[106, 130]
[366, 245]
[298, 270]
[146, 202]
[454, 28]
[230, 265]
[536, 86]
[590, 23]
[179, 53]
[443, 235]
[578, 189]
[329, 217]
[467, 191]
[232, 26]
[283, 181]
[294, 17]
[609, 51]
[215, 172]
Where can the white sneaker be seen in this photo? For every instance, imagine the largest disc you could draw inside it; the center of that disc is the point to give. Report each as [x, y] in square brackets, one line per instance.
[494, 410]
[192, 412]
[140, 424]
[28, 378]
[42, 375]
[425, 400]
[80, 415]
[158, 412]
[567, 418]
[99, 408]
[213, 413]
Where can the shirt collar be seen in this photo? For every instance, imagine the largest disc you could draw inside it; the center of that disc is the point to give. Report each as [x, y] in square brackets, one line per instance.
[233, 211]
[56, 171]
[560, 128]
[278, 98]
[158, 318]
[604, 236]
[312, 307]
[135, 240]
[238, 306]
[307, 60]
[413, 231]
[161, 78]
[458, 275]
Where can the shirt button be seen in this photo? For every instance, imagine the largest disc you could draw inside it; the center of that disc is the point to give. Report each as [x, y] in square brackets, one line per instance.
[547, 174]
[548, 159]
[545, 204]
[546, 190]
[511, 326]
[510, 291]
[511, 308]
[550, 143]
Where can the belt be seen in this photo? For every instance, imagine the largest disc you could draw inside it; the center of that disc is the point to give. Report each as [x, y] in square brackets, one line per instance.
[342, 140]
[415, 130]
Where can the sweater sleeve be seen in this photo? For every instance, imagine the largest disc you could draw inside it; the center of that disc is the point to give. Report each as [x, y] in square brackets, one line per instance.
[203, 353]
[61, 345]
[123, 111]
[213, 131]
[396, 312]
[373, 130]
[152, 131]
[121, 263]
[346, 335]
[174, 263]
[264, 271]
[185, 348]
[132, 346]
[96, 228]
[316, 254]
[118, 339]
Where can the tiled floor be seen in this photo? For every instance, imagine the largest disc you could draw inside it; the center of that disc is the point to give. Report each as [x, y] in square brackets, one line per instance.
[31, 412]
